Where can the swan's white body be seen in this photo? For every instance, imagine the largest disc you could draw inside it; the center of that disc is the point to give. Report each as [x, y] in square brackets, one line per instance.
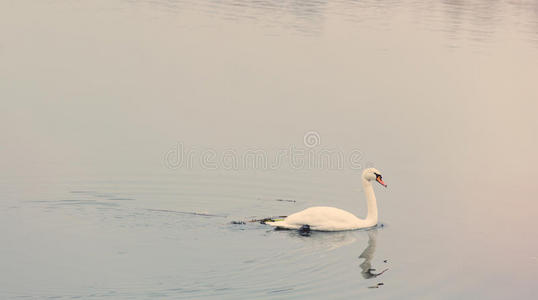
[324, 218]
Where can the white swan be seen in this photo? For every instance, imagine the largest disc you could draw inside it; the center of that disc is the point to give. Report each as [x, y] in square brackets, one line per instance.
[324, 218]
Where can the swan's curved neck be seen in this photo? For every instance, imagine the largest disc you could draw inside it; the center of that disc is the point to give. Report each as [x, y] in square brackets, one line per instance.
[371, 217]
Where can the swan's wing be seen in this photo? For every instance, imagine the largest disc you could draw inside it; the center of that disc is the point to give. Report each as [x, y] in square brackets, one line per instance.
[324, 218]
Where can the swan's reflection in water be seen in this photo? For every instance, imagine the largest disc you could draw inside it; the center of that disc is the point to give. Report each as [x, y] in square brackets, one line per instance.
[330, 241]
[368, 254]
[326, 241]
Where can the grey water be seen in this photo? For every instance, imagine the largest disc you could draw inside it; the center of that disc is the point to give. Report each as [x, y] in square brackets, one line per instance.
[133, 133]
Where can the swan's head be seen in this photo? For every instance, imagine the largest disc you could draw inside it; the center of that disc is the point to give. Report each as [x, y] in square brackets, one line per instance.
[373, 174]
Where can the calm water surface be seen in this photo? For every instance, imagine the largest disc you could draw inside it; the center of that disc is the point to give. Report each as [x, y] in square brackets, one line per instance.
[98, 97]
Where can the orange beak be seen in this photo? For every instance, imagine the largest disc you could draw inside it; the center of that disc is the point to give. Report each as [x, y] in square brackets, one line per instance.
[381, 181]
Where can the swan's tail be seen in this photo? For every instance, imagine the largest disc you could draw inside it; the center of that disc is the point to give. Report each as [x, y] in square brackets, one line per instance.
[281, 224]
[277, 222]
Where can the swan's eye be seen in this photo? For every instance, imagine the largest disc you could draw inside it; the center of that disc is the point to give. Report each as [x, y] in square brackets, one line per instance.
[379, 179]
